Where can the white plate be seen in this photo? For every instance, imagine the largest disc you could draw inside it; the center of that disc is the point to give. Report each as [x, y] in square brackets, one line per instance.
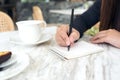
[22, 61]
[45, 37]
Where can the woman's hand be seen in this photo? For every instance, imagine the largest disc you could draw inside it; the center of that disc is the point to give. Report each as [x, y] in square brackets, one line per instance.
[110, 36]
[62, 37]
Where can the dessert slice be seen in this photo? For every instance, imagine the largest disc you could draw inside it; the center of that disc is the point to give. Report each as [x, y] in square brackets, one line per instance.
[4, 56]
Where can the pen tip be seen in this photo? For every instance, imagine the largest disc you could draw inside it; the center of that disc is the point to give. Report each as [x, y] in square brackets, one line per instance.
[68, 48]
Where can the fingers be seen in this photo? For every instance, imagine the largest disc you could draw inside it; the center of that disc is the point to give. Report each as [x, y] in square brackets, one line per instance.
[62, 37]
[101, 37]
[100, 40]
[74, 36]
[60, 41]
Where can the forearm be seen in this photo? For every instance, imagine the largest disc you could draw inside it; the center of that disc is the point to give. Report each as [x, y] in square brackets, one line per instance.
[89, 18]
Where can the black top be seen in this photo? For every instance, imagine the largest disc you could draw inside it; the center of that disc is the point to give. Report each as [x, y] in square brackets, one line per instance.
[117, 17]
[89, 18]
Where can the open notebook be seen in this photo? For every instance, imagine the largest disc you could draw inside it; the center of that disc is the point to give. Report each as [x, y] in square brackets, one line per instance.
[80, 49]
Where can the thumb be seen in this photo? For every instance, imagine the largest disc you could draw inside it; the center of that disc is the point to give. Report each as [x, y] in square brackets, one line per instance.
[73, 37]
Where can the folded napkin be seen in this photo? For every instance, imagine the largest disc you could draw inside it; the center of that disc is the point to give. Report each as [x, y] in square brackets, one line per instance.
[80, 49]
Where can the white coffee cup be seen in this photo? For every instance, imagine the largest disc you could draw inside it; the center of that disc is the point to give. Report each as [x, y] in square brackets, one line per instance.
[30, 31]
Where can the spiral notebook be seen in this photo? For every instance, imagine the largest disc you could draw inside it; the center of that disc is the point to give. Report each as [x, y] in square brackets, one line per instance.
[80, 49]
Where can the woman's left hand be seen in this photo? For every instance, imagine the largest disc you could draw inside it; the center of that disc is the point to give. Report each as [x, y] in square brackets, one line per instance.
[110, 36]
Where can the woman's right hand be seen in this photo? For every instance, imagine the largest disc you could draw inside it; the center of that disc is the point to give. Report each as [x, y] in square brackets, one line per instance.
[62, 38]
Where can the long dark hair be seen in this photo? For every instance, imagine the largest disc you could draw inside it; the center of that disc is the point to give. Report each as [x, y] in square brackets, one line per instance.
[108, 13]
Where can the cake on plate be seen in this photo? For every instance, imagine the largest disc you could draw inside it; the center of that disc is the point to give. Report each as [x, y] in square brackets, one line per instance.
[4, 56]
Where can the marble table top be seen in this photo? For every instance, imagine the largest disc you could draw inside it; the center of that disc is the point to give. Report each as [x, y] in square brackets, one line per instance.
[45, 65]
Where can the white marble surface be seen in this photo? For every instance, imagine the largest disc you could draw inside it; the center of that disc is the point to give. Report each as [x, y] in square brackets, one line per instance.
[45, 65]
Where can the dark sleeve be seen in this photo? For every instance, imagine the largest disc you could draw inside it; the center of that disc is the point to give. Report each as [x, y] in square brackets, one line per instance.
[88, 18]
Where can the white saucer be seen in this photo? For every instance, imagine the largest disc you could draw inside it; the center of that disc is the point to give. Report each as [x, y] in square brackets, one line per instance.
[22, 61]
[44, 38]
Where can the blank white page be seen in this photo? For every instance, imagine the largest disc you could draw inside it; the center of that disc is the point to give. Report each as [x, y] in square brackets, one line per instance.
[81, 48]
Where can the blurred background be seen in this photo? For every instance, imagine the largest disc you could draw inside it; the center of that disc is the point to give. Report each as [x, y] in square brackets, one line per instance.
[22, 9]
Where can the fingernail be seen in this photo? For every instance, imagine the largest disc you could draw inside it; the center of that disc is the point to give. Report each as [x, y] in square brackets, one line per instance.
[68, 42]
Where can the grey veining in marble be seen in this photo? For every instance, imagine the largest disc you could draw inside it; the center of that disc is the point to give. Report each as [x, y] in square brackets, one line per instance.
[45, 65]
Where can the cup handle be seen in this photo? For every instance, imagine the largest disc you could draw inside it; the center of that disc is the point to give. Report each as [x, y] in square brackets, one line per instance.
[44, 24]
